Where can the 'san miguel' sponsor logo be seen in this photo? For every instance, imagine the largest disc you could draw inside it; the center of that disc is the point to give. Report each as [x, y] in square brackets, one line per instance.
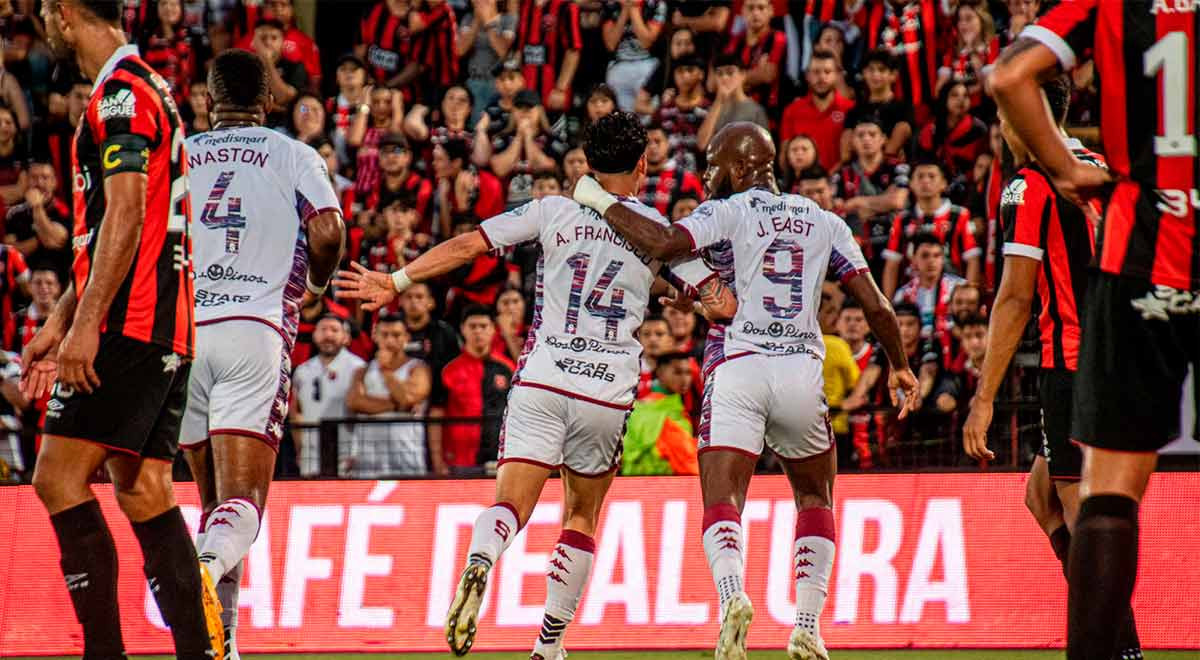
[1164, 302]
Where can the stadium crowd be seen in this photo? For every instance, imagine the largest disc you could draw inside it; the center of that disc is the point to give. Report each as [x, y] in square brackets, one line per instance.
[446, 112]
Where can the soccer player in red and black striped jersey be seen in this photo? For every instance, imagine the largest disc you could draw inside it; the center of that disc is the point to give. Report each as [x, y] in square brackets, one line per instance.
[1142, 322]
[118, 345]
[1049, 243]
[549, 44]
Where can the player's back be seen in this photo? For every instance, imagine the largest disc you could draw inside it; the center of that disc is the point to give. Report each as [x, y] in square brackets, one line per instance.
[253, 190]
[591, 295]
[782, 247]
[1145, 54]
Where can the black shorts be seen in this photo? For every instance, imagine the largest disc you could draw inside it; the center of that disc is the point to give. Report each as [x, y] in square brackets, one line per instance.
[1064, 457]
[1138, 340]
[138, 407]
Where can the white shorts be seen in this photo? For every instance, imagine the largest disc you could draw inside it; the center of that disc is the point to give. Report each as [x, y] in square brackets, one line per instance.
[238, 384]
[554, 430]
[777, 400]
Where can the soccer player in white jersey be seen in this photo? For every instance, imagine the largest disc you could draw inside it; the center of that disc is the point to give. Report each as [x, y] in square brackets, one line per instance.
[767, 387]
[266, 233]
[575, 379]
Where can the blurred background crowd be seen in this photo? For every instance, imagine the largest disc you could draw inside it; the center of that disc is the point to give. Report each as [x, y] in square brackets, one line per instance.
[435, 114]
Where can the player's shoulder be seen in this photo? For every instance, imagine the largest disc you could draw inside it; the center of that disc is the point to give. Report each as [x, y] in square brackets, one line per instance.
[1028, 183]
[644, 209]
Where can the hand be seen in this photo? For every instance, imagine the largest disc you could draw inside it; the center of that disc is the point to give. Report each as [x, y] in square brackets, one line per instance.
[677, 18]
[39, 362]
[308, 299]
[976, 428]
[443, 188]
[485, 11]
[34, 197]
[591, 194]
[507, 325]
[902, 381]
[668, 96]
[557, 99]
[367, 91]
[853, 402]
[375, 289]
[385, 358]
[526, 127]
[484, 123]
[1082, 182]
[439, 467]
[76, 355]
[676, 299]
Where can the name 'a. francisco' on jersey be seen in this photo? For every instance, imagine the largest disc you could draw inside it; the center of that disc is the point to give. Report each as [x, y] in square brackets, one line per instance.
[253, 191]
[591, 295]
[783, 245]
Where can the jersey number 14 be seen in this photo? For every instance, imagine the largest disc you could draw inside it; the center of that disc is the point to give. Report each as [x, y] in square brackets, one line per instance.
[612, 313]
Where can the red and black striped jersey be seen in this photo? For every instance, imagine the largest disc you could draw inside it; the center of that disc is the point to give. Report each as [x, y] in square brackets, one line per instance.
[13, 272]
[1041, 224]
[390, 44]
[1146, 65]
[910, 35]
[436, 46]
[824, 11]
[661, 189]
[950, 223]
[772, 45]
[132, 125]
[545, 32]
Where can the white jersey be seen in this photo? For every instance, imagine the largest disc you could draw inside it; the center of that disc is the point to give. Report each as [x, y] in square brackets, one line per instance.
[591, 294]
[782, 245]
[253, 191]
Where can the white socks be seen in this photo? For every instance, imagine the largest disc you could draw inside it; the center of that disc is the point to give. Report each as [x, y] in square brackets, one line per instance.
[566, 577]
[228, 532]
[723, 548]
[812, 563]
[228, 589]
[494, 530]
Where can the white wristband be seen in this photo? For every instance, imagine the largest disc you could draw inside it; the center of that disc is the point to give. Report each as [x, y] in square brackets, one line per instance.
[401, 281]
[313, 288]
[589, 193]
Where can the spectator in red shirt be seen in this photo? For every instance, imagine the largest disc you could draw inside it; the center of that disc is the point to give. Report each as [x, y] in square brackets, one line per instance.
[665, 181]
[955, 137]
[287, 79]
[437, 49]
[463, 193]
[549, 44]
[526, 146]
[797, 155]
[167, 47]
[401, 182]
[390, 45]
[297, 46]
[44, 288]
[762, 51]
[475, 384]
[820, 114]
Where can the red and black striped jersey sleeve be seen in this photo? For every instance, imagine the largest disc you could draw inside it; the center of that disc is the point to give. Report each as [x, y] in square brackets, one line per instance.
[125, 123]
[1069, 29]
[568, 25]
[1022, 206]
[964, 238]
[896, 243]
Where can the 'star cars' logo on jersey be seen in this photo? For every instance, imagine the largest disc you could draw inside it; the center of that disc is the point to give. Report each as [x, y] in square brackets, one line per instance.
[1014, 193]
[120, 104]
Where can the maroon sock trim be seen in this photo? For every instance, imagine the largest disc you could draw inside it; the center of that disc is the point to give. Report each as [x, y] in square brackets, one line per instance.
[815, 522]
[577, 540]
[722, 511]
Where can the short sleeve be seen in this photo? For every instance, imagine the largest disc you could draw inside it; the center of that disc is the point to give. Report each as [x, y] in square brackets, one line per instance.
[895, 239]
[1021, 206]
[519, 225]
[1068, 29]
[846, 258]
[126, 126]
[314, 190]
[968, 246]
[20, 270]
[711, 222]
[692, 272]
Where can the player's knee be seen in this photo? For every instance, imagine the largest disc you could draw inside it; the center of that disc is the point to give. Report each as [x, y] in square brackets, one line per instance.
[51, 487]
[806, 501]
[146, 496]
[1038, 504]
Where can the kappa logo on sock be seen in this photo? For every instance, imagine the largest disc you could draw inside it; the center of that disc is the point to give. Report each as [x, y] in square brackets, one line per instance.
[76, 581]
[219, 521]
[226, 508]
[802, 574]
[559, 565]
[728, 543]
[558, 550]
[503, 530]
[557, 578]
[725, 529]
[803, 562]
[805, 550]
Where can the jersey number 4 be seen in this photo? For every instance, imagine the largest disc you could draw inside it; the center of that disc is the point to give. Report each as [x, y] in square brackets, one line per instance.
[210, 215]
[612, 313]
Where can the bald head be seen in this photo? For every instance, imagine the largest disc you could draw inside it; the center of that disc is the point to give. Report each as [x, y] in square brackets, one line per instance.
[740, 156]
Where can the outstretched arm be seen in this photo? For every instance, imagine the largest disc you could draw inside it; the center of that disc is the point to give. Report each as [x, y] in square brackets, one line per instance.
[378, 289]
[665, 243]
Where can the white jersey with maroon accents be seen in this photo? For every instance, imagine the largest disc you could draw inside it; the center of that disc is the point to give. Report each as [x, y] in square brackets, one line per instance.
[782, 245]
[592, 290]
[253, 190]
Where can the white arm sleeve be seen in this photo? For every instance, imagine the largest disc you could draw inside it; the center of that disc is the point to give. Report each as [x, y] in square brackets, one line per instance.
[314, 190]
[519, 225]
[710, 223]
[846, 258]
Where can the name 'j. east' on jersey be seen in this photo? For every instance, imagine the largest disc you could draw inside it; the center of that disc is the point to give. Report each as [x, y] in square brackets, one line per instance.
[591, 295]
[253, 191]
[1146, 62]
[131, 125]
[783, 245]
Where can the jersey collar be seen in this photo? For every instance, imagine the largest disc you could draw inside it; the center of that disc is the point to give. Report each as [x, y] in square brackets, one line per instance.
[128, 50]
[943, 208]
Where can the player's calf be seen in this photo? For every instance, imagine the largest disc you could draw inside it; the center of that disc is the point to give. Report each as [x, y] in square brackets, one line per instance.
[812, 564]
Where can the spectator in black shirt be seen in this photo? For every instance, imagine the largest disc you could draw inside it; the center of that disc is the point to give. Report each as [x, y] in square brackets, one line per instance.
[40, 227]
[879, 99]
[431, 340]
